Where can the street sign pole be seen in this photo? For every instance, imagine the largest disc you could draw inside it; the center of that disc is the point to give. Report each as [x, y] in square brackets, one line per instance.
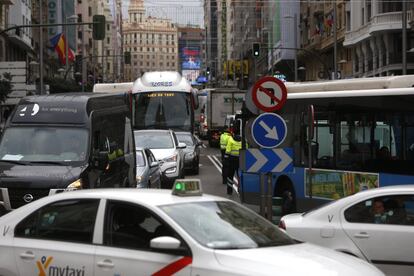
[269, 196]
[262, 195]
[268, 131]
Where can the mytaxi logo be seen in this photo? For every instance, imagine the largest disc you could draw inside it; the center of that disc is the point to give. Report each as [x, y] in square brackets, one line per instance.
[46, 269]
[43, 264]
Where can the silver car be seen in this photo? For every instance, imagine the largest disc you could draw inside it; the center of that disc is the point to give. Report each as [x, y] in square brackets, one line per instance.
[167, 150]
[148, 169]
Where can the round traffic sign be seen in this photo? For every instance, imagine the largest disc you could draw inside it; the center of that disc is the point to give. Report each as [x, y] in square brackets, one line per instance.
[269, 130]
[269, 94]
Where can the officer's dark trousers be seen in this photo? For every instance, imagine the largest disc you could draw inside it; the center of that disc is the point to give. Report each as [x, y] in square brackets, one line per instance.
[225, 169]
[233, 168]
[223, 151]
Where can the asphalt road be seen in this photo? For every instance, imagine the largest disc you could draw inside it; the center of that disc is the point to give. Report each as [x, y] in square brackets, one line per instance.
[210, 172]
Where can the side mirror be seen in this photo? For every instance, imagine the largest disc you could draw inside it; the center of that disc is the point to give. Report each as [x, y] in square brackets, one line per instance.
[165, 242]
[100, 160]
[181, 145]
[154, 164]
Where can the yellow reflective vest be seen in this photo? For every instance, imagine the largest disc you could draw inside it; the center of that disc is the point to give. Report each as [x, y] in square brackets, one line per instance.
[224, 137]
[233, 147]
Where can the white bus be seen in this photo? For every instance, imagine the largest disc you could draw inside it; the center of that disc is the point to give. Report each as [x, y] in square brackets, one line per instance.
[159, 100]
[363, 137]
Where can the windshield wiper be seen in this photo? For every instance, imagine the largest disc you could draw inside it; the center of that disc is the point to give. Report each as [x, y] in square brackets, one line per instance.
[47, 162]
[15, 162]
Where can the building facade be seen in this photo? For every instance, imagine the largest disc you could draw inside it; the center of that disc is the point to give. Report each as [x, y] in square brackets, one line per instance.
[152, 42]
[374, 33]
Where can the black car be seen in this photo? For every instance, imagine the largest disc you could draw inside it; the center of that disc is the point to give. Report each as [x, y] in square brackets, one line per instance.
[191, 152]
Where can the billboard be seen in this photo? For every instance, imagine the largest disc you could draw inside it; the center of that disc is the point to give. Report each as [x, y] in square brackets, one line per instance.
[191, 75]
[190, 57]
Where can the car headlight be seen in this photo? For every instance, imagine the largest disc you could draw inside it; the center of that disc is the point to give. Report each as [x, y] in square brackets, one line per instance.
[171, 170]
[171, 158]
[139, 178]
[76, 185]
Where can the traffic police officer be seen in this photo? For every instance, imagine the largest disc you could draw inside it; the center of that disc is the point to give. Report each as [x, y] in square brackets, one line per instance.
[233, 151]
[224, 138]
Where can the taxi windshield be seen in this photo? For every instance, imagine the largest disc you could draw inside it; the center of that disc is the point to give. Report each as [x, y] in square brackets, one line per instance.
[226, 225]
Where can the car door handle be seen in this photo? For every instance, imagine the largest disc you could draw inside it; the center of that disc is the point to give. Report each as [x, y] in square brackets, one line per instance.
[106, 264]
[361, 235]
[28, 255]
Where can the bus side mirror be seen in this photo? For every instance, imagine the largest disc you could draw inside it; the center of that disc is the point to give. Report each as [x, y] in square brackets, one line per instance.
[100, 160]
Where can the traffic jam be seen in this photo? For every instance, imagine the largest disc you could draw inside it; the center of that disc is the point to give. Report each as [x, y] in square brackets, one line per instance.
[120, 202]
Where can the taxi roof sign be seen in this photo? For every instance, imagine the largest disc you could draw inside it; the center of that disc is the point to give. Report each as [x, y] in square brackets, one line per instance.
[187, 187]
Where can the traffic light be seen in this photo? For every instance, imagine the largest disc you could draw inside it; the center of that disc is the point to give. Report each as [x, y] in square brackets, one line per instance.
[98, 30]
[256, 49]
[127, 57]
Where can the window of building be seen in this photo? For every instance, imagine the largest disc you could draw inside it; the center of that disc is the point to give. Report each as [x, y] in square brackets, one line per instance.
[89, 11]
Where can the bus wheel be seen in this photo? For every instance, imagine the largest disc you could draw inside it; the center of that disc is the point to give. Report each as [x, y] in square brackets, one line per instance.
[285, 191]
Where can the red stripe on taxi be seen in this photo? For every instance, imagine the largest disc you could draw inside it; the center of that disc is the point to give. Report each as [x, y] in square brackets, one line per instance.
[174, 267]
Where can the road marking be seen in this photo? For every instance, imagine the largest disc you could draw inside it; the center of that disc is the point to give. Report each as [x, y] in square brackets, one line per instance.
[214, 163]
[217, 163]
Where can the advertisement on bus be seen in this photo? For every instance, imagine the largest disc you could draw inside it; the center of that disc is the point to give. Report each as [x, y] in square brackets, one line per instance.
[330, 184]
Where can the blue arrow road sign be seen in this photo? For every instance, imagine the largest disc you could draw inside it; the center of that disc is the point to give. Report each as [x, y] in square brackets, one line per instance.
[268, 160]
[269, 130]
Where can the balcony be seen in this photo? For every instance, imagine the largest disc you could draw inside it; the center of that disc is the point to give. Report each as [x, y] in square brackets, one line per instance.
[379, 23]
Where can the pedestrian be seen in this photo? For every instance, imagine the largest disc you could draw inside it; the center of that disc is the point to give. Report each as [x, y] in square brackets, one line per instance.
[224, 138]
[233, 151]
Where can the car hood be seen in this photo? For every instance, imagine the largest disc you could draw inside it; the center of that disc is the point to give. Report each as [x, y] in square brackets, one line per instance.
[38, 176]
[160, 154]
[299, 259]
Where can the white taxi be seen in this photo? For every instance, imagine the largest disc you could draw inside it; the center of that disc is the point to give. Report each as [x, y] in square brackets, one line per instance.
[376, 225]
[156, 232]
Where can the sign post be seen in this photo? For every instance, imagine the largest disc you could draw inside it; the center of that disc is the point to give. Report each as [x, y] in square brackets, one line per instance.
[268, 131]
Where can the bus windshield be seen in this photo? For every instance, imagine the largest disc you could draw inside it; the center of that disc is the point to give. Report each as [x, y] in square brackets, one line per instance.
[163, 110]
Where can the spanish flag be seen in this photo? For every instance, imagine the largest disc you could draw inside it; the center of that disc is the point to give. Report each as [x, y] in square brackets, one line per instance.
[58, 43]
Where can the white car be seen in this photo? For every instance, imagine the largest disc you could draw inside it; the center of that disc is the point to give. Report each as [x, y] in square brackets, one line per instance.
[156, 232]
[353, 225]
[165, 146]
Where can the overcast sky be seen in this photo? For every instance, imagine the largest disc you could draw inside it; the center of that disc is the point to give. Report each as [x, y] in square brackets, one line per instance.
[180, 11]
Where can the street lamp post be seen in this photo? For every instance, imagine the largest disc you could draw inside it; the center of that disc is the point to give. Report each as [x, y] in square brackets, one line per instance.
[41, 47]
[67, 40]
[404, 37]
[295, 37]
